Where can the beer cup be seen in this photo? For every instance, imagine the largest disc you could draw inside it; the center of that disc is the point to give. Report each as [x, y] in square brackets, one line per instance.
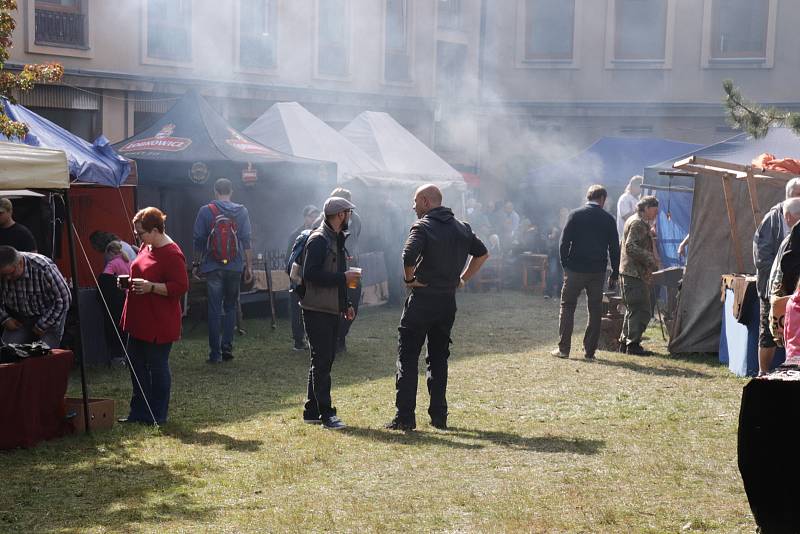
[354, 283]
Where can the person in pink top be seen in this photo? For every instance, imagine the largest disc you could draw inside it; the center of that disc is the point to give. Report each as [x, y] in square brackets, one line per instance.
[118, 262]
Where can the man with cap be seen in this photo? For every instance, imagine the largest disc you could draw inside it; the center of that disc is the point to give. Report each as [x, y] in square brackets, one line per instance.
[636, 267]
[310, 215]
[12, 233]
[324, 302]
[440, 255]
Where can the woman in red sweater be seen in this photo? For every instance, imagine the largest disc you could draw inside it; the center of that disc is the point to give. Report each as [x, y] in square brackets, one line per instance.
[152, 316]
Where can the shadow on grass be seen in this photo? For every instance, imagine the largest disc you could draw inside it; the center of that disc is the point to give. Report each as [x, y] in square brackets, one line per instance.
[452, 436]
[93, 483]
[208, 438]
[663, 370]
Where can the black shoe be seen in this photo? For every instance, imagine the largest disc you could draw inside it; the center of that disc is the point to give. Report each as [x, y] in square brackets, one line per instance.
[333, 423]
[439, 422]
[311, 420]
[227, 356]
[396, 424]
[589, 357]
[300, 346]
[623, 347]
[637, 350]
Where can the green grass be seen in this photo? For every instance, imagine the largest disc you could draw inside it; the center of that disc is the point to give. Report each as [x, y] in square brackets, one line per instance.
[537, 444]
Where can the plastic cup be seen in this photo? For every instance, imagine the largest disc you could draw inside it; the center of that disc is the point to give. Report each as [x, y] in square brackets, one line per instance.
[124, 281]
[353, 284]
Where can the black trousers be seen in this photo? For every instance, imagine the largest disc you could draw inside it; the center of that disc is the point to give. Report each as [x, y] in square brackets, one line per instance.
[354, 296]
[323, 331]
[431, 317]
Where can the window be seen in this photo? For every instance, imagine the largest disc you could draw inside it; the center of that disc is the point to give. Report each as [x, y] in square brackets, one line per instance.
[449, 14]
[333, 46]
[398, 59]
[169, 30]
[451, 63]
[549, 29]
[640, 29]
[257, 33]
[60, 23]
[739, 28]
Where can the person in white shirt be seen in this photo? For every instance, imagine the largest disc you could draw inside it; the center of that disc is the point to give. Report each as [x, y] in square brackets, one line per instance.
[626, 205]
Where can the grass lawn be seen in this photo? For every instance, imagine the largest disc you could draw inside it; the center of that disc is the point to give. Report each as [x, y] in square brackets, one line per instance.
[537, 444]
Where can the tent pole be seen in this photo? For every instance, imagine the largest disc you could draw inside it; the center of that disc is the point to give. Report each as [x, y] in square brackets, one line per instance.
[752, 189]
[76, 299]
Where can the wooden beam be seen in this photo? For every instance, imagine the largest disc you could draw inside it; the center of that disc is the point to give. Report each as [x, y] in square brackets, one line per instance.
[719, 173]
[785, 176]
[737, 252]
[752, 189]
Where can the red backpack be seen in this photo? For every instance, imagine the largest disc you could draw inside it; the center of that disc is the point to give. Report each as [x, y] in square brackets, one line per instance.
[223, 243]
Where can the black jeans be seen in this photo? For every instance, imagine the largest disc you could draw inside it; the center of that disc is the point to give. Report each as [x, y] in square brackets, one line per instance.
[323, 331]
[354, 296]
[428, 316]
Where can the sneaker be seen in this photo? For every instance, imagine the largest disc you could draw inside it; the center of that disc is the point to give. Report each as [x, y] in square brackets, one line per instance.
[227, 356]
[637, 350]
[333, 423]
[623, 347]
[439, 422]
[312, 420]
[558, 354]
[300, 346]
[396, 424]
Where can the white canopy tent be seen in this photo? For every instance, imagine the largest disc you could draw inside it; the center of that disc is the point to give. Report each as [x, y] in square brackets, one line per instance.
[398, 151]
[27, 167]
[291, 128]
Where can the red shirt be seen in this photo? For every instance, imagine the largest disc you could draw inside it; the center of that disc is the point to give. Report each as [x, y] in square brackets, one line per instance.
[149, 316]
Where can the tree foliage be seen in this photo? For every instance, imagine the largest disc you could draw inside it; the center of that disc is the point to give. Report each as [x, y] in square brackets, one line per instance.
[23, 80]
[754, 118]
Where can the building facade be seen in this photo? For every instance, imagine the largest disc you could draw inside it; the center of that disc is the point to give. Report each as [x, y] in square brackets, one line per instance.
[494, 86]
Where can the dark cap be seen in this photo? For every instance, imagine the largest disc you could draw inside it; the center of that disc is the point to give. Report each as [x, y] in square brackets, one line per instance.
[336, 205]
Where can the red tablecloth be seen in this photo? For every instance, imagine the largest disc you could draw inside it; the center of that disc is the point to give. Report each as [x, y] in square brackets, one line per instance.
[32, 399]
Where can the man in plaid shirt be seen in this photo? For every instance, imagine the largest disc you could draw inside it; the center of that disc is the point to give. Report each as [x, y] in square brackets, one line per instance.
[34, 298]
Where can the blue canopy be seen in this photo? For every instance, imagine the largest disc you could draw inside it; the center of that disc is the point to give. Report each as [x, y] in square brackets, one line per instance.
[610, 161]
[94, 163]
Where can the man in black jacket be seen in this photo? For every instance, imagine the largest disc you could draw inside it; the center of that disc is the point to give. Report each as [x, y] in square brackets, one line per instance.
[440, 255]
[588, 240]
[325, 277]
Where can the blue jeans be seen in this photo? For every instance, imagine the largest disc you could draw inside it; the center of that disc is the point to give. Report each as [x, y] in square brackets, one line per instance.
[150, 362]
[223, 294]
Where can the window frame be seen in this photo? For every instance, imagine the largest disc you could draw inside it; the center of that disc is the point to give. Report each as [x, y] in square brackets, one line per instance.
[147, 59]
[709, 61]
[347, 76]
[459, 17]
[409, 45]
[55, 49]
[614, 62]
[525, 62]
[275, 14]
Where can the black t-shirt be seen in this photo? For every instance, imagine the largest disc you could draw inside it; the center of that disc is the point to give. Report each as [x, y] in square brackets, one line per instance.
[19, 237]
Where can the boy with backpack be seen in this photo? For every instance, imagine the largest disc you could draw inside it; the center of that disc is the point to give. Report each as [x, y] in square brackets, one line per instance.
[221, 253]
[297, 243]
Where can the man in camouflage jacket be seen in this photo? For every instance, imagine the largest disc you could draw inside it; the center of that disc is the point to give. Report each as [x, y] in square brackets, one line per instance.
[637, 264]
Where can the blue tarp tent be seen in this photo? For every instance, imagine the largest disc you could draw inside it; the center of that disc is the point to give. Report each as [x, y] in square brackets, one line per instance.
[93, 163]
[610, 161]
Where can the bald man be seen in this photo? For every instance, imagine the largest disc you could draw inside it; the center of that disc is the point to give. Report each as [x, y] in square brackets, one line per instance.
[440, 255]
